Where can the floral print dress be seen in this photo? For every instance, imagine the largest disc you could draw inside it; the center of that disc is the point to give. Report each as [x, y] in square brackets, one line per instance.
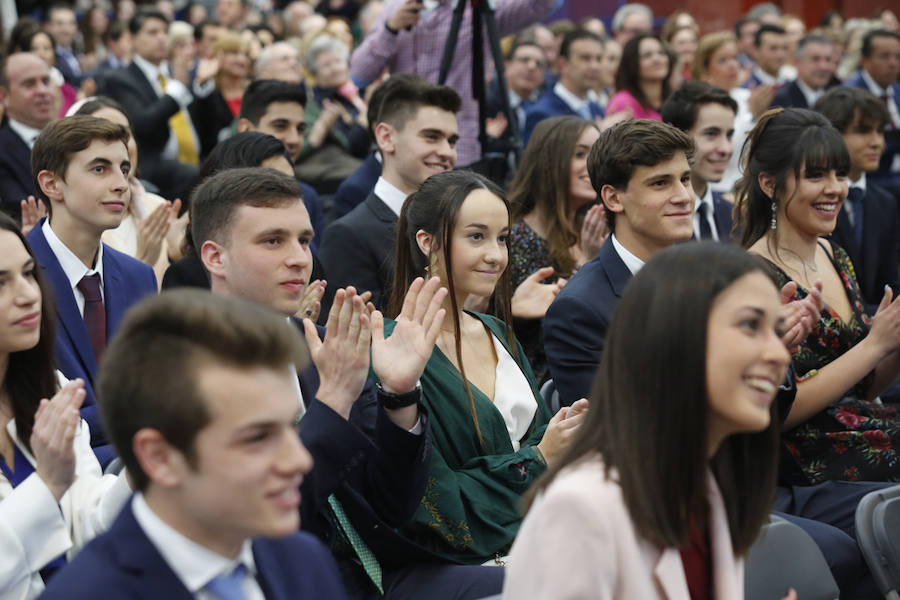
[853, 439]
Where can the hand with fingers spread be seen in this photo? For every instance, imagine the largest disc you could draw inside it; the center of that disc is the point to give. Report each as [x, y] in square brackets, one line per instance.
[151, 233]
[311, 302]
[532, 298]
[342, 359]
[593, 232]
[32, 212]
[53, 435]
[800, 315]
[561, 430]
[399, 360]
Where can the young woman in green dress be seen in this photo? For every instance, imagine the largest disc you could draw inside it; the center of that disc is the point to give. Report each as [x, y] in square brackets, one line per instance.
[492, 435]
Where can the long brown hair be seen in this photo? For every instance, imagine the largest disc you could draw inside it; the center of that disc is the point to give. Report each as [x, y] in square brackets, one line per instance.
[31, 374]
[649, 417]
[434, 209]
[543, 180]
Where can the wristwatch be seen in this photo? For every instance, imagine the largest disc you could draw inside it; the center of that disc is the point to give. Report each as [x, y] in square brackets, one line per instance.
[393, 401]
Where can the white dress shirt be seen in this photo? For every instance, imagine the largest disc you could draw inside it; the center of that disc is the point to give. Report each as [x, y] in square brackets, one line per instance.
[580, 106]
[72, 266]
[390, 195]
[707, 199]
[513, 396]
[809, 94]
[27, 133]
[193, 564]
[631, 261]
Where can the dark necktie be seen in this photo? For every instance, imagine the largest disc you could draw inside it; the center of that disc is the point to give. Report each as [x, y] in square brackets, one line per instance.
[855, 198]
[705, 229]
[94, 313]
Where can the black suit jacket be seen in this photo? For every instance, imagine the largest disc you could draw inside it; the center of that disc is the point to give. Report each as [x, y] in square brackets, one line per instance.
[722, 209]
[16, 182]
[876, 260]
[356, 188]
[124, 563]
[789, 95]
[150, 114]
[576, 323]
[359, 250]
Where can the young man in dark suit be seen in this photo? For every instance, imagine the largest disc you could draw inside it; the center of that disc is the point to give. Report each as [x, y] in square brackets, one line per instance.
[371, 450]
[706, 113]
[416, 135]
[27, 96]
[869, 220]
[580, 56]
[815, 69]
[80, 165]
[879, 73]
[173, 122]
[205, 425]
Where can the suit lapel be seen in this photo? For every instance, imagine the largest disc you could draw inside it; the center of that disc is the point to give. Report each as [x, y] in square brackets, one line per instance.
[268, 569]
[112, 291]
[66, 308]
[722, 217]
[18, 150]
[381, 210]
[616, 271]
[139, 559]
[141, 80]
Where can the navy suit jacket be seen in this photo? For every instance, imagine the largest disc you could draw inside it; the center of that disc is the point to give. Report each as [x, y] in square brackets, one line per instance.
[359, 250]
[576, 323]
[124, 563]
[876, 261]
[891, 137]
[16, 182]
[551, 105]
[789, 95]
[722, 216]
[125, 282]
[356, 188]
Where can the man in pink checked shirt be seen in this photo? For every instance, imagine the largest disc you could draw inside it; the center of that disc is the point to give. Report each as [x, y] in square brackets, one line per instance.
[409, 37]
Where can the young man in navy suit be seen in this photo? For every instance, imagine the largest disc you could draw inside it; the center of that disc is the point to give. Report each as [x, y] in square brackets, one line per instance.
[879, 73]
[869, 220]
[80, 166]
[198, 395]
[580, 57]
[706, 113]
[371, 450]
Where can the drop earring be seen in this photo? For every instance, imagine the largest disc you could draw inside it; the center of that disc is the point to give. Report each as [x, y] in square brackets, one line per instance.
[774, 223]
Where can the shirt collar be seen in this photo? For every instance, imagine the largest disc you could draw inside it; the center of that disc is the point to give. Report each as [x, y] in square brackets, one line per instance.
[874, 87]
[706, 199]
[860, 183]
[390, 195]
[26, 132]
[575, 103]
[809, 94]
[150, 70]
[195, 565]
[71, 265]
[763, 76]
[631, 261]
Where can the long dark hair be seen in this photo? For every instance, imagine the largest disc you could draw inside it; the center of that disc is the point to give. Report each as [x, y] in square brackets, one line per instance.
[650, 409]
[542, 181]
[628, 77]
[31, 374]
[433, 208]
[782, 142]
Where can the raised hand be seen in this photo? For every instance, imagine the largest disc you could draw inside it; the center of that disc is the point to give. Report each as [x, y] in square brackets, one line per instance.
[151, 233]
[343, 358]
[207, 68]
[496, 126]
[32, 212]
[593, 232]
[561, 430]
[406, 16]
[400, 359]
[885, 330]
[311, 302]
[760, 99]
[532, 298]
[55, 424]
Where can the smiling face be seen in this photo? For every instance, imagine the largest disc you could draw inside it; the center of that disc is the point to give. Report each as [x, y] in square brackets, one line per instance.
[612, 55]
[266, 258]
[813, 201]
[580, 189]
[283, 120]
[331, 70]
[685, 43]
[425, 145]
[244, 481]
[28, 96]
[712, 133]
[653, 60]
[94, 195]
[62, 26]
[816, 66]
[772, 52]
[20, 296]
[581, 71]
[43, 47]
[525, 70]
[865, 144]
[883, 65]
[656, 208]
[723, 69]
[478, 250]
[745, 357]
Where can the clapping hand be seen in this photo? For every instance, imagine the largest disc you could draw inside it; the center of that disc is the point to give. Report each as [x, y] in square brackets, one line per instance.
[343, 358]
[800, 315]
[311, 302]
[32, 212]
[151, 232]
[593, 232]
[561, 430]
[55, 424]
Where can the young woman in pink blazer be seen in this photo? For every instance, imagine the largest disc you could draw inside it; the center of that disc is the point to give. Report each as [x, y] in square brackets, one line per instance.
[673, 473]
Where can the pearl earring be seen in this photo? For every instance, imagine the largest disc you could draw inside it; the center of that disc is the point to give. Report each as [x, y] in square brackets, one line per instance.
[773, 215]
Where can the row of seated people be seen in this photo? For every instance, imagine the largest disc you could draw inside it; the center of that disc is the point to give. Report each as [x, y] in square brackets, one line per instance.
[488, 444]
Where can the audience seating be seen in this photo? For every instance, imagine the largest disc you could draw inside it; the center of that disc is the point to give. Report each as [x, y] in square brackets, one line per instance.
[878, 533]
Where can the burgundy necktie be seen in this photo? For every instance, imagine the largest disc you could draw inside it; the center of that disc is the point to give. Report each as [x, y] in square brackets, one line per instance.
[94, 313]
